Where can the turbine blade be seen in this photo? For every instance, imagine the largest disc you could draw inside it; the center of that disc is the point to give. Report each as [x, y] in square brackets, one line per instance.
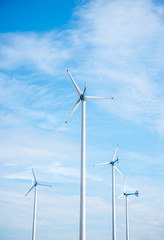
[119, 172]
[125, 187]
[77, 88]
[121, 195]
[114, 154]
[30, 190]
[34, 175]
[44, 185]
[90, 97]
[77, 104]
[106, 163]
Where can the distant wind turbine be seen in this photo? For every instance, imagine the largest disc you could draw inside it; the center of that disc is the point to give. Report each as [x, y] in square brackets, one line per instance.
[113, 191]
[126, 202]
[82, 99]
[35, 201]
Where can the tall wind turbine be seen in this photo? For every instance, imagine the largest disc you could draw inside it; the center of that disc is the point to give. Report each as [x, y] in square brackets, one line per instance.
[113, 191]
[126, 203]
[82, 99]
[35, 201]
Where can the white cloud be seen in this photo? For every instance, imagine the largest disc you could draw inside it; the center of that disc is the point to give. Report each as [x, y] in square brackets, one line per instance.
[23, 100]
[124, 40]
[37, 51]
[117, 43]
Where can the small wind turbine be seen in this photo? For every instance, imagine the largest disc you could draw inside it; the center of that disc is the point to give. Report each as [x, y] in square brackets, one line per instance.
[126, 202]
[113, 191]
[82, 99]
[35, 184]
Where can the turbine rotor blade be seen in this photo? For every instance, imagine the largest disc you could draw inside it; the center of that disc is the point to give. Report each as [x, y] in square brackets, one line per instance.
[77, 104]
[119, 172]
[106, 163]
[90, 97]
[29, 190]
[114, 154]
[44, 185]
[121, 195]
[77, 88]
[34, 175]
[125, 187]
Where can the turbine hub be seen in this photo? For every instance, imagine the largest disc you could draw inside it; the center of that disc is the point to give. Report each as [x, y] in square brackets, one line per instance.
[82, 97]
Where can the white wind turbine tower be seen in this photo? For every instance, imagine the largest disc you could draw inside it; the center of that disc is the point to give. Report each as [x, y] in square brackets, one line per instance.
[113, 191]
[126, 203]
[82, 99]
[35, 202]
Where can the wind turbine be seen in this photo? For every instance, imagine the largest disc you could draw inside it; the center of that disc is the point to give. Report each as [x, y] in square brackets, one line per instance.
[82, 99]
[35, 184]
[113, 191]
[126, 203]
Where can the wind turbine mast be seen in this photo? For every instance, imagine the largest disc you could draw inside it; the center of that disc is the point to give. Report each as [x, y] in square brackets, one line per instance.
[83, 176]
[82, 99]
[127, 215]
[34, 214]
[113, 196]
[35, 202]
[113, 191]
[126, 207]
[127, 220]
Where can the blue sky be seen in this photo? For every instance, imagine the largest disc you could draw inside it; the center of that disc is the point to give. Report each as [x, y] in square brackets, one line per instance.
[117, 48]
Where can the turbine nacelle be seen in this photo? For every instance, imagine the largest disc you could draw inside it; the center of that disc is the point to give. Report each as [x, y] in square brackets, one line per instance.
[82, 96]
[135, 193]
[115, 161]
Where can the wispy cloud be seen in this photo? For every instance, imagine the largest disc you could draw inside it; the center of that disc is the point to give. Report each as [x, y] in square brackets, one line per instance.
[43, 52]
[121, 48]
[125, 40]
